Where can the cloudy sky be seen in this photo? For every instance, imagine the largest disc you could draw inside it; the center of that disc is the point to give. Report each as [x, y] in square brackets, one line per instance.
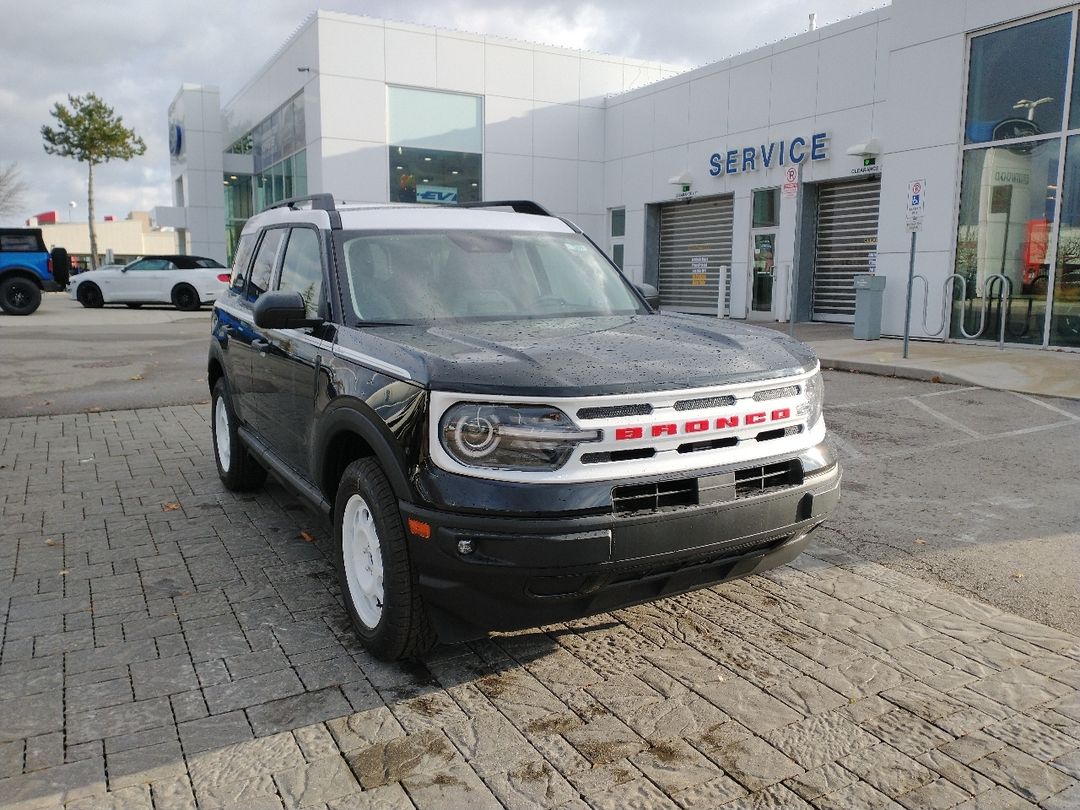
[135, 54]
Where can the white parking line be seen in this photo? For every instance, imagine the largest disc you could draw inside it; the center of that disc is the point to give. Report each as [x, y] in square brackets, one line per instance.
[946, 419]
[1046, 405]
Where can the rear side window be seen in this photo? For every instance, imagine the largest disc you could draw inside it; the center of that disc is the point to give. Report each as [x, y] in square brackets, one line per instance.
[21, 243]
[244, 248]
[263, 268]
[301, 269]
[151, 264]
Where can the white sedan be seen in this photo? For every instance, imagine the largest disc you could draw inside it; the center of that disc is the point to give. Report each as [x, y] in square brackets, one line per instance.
[186, 282]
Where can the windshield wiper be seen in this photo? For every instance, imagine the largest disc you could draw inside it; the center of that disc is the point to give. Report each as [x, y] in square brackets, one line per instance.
[383, 323]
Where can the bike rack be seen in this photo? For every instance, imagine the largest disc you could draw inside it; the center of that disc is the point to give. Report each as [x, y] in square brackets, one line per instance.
[1004, 298]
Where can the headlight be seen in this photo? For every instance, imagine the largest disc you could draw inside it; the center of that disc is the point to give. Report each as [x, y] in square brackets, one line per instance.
[511, 437]
[815, 399]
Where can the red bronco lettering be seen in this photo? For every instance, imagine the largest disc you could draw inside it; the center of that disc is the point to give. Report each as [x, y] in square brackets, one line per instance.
[623, 434]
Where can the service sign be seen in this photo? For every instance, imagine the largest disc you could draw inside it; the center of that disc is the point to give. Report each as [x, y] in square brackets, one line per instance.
[793, 152]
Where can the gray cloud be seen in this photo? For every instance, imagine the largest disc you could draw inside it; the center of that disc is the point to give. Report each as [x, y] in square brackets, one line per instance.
[136, 53]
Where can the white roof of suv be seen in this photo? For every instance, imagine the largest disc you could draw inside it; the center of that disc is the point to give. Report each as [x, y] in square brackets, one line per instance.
[394, 217]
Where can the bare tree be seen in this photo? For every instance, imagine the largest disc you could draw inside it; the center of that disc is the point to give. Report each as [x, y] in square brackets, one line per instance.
[12, 189]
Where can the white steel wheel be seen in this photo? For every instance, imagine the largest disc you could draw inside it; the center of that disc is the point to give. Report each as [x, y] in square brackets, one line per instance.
[222, 439]
[237, 469]
[362, 555]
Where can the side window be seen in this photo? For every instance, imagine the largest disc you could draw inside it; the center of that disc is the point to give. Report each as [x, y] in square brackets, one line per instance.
[241, 261]
[263, 268]
[151, 264]
[301, 270]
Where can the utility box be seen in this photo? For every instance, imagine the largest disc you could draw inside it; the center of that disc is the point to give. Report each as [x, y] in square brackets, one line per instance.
[869, 289]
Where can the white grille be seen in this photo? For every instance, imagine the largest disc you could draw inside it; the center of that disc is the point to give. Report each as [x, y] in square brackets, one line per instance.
[734, 425]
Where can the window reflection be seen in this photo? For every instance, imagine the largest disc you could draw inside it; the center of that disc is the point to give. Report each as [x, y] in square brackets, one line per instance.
[1065, 318]
[1016, 82]
[1007, 199]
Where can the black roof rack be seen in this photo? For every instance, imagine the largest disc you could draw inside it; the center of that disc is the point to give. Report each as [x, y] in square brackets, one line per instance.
[319, 202]
[518, 206]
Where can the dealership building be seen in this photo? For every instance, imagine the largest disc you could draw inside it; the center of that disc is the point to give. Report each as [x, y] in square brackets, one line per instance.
[753, 188]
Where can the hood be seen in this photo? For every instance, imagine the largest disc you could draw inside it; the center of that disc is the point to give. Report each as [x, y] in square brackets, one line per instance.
[583, 356]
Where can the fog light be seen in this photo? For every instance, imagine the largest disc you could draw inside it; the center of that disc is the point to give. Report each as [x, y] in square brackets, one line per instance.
[465, 547]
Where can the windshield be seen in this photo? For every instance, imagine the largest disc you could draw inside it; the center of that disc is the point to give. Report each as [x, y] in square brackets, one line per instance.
[420, 276]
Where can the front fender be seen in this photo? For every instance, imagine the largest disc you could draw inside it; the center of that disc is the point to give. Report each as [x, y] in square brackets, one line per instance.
[355, 416]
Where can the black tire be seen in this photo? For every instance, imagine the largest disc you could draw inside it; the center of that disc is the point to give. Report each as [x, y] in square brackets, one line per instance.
[239, 472]
[89, 295]
[134, 306]
[402, 629]
[61, 266]
[19, 295]
[185, 298]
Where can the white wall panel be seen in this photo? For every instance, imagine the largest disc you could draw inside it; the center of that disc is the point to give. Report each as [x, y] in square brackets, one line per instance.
[555, 184]
[590, 133]
[459, 63]
[671, 115]
[748, 105]
[556, 77]
[590, 187]
[509, 71]
[599, 78]
[915, 117]
[358, 109]
[708, 106]
[351, 49]
[846, 70]
[509, 126]
[355, 170]
[555, 130]
[793, 86]
[410, 57]
[508, 177]
[638, 125]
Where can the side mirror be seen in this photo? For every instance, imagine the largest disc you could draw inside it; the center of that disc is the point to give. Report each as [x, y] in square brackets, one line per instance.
[650, 294]
[282, 309]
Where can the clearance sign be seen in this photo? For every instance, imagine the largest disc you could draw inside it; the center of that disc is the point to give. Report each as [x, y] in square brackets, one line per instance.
[775, 153]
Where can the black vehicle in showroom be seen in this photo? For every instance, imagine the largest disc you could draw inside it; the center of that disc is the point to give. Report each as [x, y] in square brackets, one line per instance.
[501, 428]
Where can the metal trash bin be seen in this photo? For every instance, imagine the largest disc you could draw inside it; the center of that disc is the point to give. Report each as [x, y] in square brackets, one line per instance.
[869, 289]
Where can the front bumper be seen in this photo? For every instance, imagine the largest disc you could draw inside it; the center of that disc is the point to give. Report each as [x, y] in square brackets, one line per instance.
[525, 572]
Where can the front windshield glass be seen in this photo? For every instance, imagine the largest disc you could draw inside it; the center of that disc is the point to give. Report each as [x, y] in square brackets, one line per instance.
[420, 276]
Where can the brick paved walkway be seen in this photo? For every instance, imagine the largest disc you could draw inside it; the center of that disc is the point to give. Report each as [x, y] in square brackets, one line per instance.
[165, 642]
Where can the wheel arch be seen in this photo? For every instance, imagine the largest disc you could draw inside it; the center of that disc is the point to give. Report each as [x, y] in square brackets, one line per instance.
[19, 271]
[349, 432]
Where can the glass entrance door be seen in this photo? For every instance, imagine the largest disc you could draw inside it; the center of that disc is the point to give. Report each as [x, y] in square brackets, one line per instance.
[763, 277]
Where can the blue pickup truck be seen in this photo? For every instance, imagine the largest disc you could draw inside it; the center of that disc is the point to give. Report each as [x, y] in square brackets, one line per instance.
[27, 269]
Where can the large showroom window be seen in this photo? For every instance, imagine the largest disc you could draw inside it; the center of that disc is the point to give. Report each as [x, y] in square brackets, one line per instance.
[436, 142]
[277, 146]
[1013, 217]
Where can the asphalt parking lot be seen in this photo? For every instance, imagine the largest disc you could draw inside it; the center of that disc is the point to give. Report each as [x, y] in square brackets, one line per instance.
[68, 359]
[165, 642]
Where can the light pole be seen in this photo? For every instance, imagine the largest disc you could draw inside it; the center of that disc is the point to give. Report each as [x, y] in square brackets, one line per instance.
[1029, 105]
[71, 207]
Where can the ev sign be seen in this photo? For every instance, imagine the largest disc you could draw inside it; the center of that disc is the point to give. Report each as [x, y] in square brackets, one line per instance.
[916, 205]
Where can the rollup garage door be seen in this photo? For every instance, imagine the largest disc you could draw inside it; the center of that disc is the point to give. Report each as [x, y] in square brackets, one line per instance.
[695, 242]
[846, 235]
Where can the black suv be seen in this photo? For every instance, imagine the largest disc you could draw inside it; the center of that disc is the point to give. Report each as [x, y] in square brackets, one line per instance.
[502, 430]
[27, 269]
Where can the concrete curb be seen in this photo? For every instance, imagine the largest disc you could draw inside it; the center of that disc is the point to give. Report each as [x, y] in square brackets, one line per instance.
[901, 372]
